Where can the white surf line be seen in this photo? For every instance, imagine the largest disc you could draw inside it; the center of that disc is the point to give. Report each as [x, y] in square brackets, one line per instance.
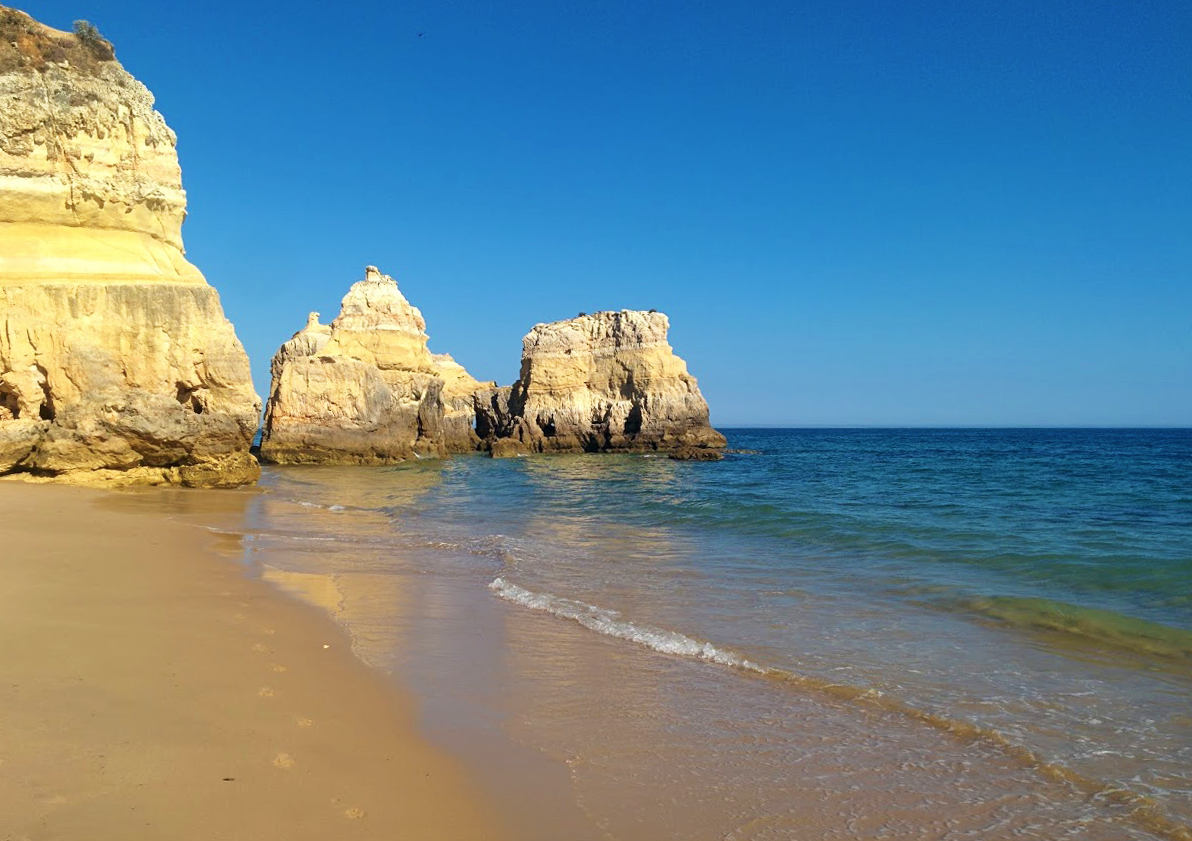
[609, 623]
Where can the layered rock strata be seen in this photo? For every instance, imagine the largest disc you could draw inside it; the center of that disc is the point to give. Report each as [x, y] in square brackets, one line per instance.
[605, 382]
[116, 360]
[366, 389]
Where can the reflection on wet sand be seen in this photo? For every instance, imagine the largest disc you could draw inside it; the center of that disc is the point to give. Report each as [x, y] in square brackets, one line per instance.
[335, 556]
[318, 589]
[441, 638]
[370, 488]
[186, 504]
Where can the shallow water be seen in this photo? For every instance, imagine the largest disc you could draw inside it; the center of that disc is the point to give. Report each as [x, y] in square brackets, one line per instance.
[850, 633]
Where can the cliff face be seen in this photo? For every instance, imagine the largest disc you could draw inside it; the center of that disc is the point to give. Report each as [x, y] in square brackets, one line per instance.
[116, 361]
[365, 390]
[602, 382]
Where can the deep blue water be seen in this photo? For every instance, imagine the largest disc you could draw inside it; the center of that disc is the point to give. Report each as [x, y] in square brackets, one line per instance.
[1091, 518]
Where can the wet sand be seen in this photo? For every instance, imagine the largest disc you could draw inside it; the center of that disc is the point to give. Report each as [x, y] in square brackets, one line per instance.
[151, 689]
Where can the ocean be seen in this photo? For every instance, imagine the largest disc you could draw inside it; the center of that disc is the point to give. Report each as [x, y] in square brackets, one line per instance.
[872, 633]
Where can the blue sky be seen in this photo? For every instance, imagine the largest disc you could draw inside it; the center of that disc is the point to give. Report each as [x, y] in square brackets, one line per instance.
[870, 213]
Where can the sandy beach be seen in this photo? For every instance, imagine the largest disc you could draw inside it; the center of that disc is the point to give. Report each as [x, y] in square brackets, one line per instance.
[151, 689]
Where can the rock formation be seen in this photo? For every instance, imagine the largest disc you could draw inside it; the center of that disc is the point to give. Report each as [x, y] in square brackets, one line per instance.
[116, 360]
[459, 404]
[366, 390]
[606, 382]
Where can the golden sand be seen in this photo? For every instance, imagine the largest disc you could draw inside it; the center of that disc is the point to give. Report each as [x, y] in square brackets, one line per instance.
[150, 689]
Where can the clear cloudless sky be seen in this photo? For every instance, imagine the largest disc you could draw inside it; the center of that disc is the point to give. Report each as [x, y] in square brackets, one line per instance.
[855, 213]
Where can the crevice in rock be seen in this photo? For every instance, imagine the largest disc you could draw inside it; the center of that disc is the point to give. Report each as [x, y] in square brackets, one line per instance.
[10, 407]
[188, 396]
[46, 410]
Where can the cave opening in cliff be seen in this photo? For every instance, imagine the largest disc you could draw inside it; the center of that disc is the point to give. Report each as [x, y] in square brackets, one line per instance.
[46, 410]
[633, 421]
[10, 408]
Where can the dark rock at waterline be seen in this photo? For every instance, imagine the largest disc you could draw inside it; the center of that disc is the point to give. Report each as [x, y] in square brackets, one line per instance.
[696, 454]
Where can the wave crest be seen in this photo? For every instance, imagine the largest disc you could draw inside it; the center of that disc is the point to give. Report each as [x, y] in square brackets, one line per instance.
[610, 623]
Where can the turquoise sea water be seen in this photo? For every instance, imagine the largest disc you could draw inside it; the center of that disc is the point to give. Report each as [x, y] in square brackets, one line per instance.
[1000, 620]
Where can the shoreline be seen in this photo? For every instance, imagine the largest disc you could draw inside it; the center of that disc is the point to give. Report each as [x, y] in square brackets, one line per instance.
[153, 688]
[565, 733]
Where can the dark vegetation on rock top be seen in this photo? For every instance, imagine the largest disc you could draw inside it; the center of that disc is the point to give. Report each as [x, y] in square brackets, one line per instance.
[25, 43]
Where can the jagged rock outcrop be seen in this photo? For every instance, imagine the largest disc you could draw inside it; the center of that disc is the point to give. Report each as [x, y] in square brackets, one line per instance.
[459, 404]
[306, 342]
[116, 360]
[494, 417]
[366, 390]
[606, 382]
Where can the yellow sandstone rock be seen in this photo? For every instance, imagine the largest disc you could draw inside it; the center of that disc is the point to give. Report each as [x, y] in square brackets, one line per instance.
[116, 360]
[605, 382]
[366, 390]
[459, 403]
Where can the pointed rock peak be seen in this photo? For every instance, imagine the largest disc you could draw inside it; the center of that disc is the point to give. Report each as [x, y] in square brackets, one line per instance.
[374, 394]
[376, 303]
[373, 275]
[314, 327]
[306, 342]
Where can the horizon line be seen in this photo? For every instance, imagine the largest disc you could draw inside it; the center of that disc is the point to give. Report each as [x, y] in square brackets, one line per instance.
[1187, 428]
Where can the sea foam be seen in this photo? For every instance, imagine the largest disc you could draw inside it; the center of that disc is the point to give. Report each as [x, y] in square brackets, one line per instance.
[610, 623]
[308, 504]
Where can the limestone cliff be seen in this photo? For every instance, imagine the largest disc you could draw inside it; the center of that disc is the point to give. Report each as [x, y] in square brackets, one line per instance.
[602, 382]
[366, 390]
[116, 360]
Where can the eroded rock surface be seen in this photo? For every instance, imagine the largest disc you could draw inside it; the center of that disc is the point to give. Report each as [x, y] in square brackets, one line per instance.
[116, 360]
[605, 382]
[365, 389]
[459, 404]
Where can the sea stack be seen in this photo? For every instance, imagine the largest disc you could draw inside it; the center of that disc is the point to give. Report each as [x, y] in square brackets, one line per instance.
[366, 389]
[605, 382]
[116, 361]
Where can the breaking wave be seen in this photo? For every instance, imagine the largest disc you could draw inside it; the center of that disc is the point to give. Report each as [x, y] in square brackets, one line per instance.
[308, 504]
[610, 623]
